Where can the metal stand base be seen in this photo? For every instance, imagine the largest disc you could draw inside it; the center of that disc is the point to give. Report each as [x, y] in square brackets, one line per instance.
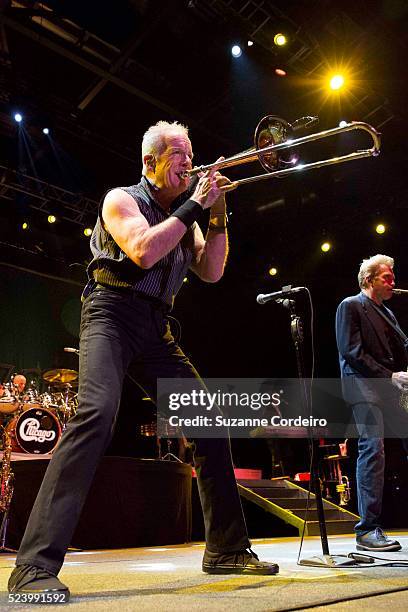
[170, 457]
[3, 533]
[335, 561]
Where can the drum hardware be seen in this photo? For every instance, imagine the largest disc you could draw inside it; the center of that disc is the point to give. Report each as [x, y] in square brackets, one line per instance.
[31, 399]
[9, 401]
[61, 375]
[274, 134]
[66, 404]
[6, 490]
[172, 432]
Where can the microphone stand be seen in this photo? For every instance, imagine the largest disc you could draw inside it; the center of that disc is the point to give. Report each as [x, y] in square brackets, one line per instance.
[325, 560]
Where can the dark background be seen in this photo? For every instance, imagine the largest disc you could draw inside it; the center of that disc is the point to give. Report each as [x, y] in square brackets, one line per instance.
[98, 74]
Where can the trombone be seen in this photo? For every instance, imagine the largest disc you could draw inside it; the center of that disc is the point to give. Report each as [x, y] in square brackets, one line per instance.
[277, 135]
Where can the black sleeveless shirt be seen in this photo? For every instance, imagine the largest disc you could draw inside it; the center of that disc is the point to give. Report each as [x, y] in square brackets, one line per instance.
[113, 268]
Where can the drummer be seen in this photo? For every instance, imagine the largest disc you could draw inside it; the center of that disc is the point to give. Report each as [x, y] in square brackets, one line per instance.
[19, 382]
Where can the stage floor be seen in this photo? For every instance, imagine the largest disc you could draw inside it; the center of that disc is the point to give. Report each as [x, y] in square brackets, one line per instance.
[170, 578]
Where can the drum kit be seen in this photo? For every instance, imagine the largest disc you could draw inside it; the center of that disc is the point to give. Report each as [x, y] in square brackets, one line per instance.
[35, 421]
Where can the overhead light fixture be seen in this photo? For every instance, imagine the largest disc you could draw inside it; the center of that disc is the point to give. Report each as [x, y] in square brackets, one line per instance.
[273, 271]
[342, 124]
[25, 225]
[46, 131]
[280, 39]
[250, 43]
[18, 117]
[87, 232]
[236, 51]
[380, 229]
[336, 82]
[325, 247]
[51, 219]
[280, 72]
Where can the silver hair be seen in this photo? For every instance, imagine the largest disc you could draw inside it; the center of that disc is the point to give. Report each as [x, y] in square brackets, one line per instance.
[154, 139]
[369, 267]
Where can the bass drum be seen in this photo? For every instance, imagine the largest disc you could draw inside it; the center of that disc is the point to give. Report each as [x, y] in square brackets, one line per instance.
[35, 431]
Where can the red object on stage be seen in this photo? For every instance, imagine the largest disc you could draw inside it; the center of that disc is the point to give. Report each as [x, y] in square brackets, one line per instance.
[302, 476]
[242, 474]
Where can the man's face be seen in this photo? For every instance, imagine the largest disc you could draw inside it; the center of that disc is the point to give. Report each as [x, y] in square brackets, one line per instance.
[383, 282]
[20, 382]
[172, 163]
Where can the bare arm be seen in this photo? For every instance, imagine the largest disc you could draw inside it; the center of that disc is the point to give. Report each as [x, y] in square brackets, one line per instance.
[210, 255]
[143, 244]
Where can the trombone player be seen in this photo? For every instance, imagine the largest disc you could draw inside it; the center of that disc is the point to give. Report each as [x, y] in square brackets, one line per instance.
[143, 243]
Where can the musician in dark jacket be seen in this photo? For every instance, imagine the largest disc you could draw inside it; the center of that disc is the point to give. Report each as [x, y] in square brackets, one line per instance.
[373, 363]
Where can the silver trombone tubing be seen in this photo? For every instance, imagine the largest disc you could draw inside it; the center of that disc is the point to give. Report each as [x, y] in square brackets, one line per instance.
[253, 155]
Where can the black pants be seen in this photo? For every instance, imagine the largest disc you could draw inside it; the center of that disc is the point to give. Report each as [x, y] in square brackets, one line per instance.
[119, 331]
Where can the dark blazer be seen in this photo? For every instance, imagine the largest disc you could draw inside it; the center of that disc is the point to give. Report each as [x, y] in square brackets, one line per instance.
[365, 352]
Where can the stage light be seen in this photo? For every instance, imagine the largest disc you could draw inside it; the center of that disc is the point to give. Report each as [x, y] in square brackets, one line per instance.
[325, 247]
[250, 43]
[280, 72]
[25, 225]
[236, 51]
[18, 117]
[273, 271]
[87, 232]
[46, 131]
[51, 219]
[342, 124]
[185, 279]
[336, 82]
[279, 39]
[380, 229]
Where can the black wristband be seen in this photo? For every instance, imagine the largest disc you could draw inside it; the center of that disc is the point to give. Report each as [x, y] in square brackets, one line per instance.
[188, 212]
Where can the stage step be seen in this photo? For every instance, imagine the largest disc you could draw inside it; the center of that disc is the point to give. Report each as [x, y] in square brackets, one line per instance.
[286, 500]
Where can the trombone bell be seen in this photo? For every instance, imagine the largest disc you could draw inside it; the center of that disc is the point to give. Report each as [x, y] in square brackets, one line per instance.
[272, 130]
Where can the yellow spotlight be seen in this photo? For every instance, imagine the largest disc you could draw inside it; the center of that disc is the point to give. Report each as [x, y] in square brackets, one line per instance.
[185, 279]
[280, 39]
[87, 232]
[51, 219]
[273, 271]
[380, 229]
[336, 81]
[25, 225]
[325, 247]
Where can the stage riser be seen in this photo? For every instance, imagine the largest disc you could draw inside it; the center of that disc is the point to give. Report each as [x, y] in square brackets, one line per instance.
[132, 502]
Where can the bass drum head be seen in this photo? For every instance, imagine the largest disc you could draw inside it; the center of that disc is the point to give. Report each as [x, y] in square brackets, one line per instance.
[38, 431]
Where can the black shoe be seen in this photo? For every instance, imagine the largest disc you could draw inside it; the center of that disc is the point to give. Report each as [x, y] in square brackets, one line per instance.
[377, 540]
[31, 579]
[240, 562]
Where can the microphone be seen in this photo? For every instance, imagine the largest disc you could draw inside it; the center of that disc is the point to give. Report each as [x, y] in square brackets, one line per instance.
[400, 291]
[70, 349]
[286, 291]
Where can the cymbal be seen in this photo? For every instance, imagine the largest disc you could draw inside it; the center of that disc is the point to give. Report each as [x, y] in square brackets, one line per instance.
[60, 375]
